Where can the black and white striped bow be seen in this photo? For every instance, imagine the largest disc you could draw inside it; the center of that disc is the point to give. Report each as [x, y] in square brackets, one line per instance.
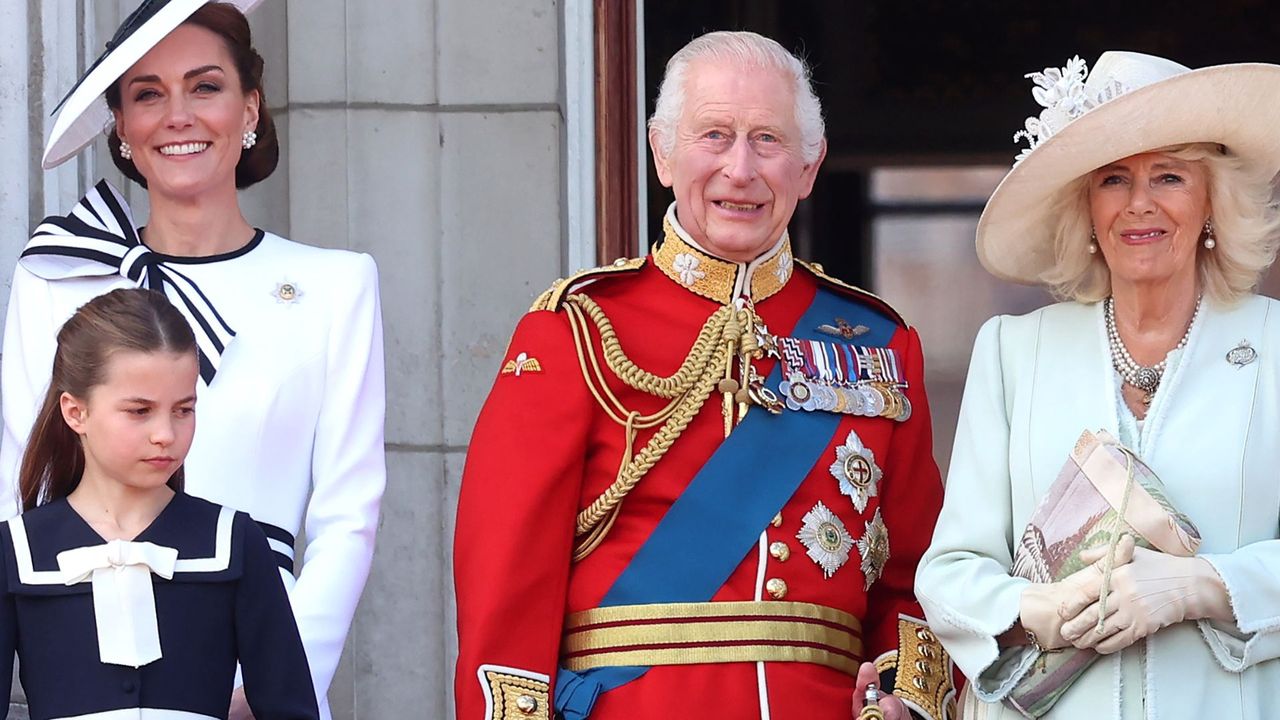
[98, 238]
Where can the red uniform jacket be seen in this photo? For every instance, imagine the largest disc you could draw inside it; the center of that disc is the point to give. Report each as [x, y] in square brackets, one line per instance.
[543, 449]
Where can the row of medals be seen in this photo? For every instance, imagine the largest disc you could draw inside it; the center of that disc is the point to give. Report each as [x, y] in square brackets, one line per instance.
[866, 398]
[869, 399]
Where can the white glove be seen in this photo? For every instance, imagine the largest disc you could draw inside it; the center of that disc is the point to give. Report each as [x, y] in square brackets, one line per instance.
[1046, 606]
[1154, 591]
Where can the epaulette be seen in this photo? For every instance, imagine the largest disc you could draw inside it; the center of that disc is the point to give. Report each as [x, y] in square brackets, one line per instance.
[554, 295]
[845, 288]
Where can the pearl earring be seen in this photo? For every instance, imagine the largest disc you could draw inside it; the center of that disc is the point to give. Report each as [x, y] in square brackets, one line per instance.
[250, 139]
[1093, 242]
[1209, 242]
[126, 150]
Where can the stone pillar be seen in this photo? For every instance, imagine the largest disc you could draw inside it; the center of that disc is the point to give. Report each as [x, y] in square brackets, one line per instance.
[429, 135]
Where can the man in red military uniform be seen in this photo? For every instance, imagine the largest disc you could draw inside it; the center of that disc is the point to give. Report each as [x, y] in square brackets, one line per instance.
[702, 481]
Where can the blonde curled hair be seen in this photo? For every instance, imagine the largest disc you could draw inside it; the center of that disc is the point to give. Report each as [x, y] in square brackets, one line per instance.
[1246, 224]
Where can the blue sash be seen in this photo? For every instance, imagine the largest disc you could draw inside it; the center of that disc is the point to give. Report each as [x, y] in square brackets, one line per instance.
[760, 465]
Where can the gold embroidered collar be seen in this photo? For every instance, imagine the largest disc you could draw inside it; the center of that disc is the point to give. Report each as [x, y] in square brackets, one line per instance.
[680, 259]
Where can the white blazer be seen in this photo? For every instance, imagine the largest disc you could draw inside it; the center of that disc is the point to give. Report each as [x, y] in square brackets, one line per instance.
[1212, 435]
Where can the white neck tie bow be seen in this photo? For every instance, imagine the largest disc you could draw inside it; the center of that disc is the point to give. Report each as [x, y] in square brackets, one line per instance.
[124, 602]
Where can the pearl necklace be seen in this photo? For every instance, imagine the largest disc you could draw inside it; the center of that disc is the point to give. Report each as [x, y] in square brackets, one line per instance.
[1146, 379]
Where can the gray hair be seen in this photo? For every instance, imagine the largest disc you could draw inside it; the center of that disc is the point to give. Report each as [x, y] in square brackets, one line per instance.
[1246, 224]
[746, 49]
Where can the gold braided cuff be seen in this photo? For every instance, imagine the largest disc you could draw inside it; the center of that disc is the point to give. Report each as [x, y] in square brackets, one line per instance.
[712, 632]
[513, 694]
[923, 671]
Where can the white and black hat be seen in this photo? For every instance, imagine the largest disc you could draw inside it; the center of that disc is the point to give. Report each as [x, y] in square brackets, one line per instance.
[83, 113]
[1129, 104]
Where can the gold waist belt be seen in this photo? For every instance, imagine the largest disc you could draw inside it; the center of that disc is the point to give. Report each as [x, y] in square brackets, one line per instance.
[712, 632]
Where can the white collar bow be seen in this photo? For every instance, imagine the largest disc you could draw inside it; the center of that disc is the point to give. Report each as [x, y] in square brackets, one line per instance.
[124, 603]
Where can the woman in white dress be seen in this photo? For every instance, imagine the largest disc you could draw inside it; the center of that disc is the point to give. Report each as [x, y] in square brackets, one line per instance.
[1145, 201]
[291, 397]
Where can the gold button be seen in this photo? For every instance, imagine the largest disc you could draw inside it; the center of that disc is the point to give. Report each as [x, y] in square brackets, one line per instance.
[777, 520]
[777, 587]
[926, 651]
[780, 551]
[924, 635]
[922, 666]
[527, 704]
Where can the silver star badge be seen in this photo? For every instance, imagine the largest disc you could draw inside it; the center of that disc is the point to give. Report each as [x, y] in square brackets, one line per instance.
[855, 467]
[825, 539]
[873, 546]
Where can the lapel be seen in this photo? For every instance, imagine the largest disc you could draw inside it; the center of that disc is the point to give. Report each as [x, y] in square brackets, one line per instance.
[1197, 441]
[1199, 420]
[1071, 390]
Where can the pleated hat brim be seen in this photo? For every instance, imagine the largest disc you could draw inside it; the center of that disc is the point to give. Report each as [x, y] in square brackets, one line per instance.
[1235, 105]
[84, 114]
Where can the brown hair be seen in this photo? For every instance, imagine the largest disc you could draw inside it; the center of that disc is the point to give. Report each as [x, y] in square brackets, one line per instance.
[123, 319]
[227, 22]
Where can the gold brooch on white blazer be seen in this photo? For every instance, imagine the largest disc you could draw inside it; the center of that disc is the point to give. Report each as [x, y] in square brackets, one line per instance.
[286, 292]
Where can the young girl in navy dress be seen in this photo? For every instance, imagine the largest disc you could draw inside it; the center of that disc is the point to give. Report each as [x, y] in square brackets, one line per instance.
[123, 597]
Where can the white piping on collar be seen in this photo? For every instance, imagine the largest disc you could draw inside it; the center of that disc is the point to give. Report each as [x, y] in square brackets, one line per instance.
[746, 271]
[221, 559]
[28, 575]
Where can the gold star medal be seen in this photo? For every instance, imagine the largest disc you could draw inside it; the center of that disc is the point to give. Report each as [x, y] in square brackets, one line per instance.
[825, 539]
[873, 546]
[856, 470]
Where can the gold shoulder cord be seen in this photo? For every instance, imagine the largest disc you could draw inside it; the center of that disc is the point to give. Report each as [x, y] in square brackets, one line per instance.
[729, 332]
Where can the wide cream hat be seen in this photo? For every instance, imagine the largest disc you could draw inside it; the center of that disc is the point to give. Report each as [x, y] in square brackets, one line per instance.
[1128, 104]
[83, 114]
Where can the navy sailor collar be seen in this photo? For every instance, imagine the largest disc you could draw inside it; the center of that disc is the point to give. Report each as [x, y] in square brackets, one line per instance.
[200, 531]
